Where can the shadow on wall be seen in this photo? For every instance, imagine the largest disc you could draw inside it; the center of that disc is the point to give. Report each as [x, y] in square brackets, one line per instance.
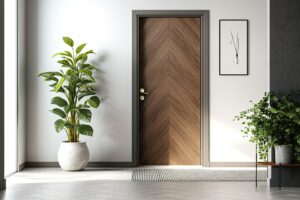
[109, 119]
[100, 76]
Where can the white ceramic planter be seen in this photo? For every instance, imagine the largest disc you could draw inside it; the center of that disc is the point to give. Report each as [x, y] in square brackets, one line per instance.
[73, 156]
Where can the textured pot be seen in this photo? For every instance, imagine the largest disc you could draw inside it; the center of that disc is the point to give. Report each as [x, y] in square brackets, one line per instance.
[283, 154]
[73, 156]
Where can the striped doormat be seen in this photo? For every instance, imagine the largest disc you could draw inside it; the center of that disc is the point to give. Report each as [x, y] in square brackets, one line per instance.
[196, 175]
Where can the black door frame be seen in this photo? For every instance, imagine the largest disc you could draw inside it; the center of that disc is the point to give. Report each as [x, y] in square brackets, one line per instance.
[204, 85]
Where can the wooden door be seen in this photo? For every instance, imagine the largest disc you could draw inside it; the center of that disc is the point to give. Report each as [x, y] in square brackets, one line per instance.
[169, 70]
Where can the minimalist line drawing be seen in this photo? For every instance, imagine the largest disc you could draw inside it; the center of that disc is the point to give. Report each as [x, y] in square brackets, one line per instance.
[233, 47]
[236, 46]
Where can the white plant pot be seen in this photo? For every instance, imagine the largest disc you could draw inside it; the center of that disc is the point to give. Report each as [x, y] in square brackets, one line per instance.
[73, 156]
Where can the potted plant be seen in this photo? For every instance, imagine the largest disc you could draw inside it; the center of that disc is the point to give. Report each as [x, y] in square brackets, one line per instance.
[284, 127]
[74, 85]
[256, 123]
[271, 123]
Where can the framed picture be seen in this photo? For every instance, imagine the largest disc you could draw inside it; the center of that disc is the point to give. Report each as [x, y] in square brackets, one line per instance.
[233, 41]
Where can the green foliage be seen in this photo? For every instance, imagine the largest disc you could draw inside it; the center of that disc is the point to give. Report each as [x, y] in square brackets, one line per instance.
[59, 101]
[274, 120]
[94, 101]
[59, 125]
[79, 48]
[75, 84]
[68, 41]
[85, 129]
[59, 112]
[84, 115]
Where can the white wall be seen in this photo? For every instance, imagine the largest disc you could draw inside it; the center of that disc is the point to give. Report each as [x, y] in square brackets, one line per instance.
[21, 82]
[106, 26]
[10, 86]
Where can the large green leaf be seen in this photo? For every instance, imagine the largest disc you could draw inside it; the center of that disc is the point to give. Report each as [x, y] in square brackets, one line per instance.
[84, 65]
[92, 67]
[68, 41]
[70, 60]
[94, 101]
[90, 89]
[81, 57]
[63, 62]
[67, 109]
[59, 112]
[80, 47]
[47, 74]
[88, 66]
[83, 106]
[87, 88]
[85, 81]
[65, 53]
[69, 54]
[84, 114]
[59, 84]
[51, 78]
[56, 54]
[69, 72]
[59, 101]
[59, 125]
[89, 52]
[85, 94]
[273, 110]
[85, 129]
[86, 72]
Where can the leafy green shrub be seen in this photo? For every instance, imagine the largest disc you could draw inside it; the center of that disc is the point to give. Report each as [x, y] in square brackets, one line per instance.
[274, 120]
[75, 85]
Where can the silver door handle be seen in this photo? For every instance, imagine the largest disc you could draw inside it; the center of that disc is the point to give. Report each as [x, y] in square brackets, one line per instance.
[142, 91]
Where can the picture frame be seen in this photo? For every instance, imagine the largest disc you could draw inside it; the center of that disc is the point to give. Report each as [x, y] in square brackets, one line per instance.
[233, 47]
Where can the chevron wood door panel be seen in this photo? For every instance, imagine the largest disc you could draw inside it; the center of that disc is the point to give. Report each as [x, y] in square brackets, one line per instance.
[170, 71]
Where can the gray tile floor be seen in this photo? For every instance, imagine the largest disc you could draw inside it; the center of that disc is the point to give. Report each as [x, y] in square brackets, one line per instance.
[111, 184]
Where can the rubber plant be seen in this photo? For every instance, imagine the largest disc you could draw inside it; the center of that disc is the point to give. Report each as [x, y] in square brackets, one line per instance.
[75, 87]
